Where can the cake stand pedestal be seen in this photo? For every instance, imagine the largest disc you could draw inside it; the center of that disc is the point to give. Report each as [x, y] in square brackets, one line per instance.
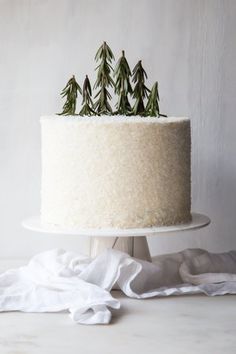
[131, 241]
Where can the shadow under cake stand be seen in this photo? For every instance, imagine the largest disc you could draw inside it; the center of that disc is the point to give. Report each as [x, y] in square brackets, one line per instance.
[132, 241]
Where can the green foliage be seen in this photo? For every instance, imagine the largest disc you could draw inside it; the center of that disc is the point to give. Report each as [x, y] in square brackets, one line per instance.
[123, 86]
[70, 91]
[88, 106]
[140, 90]
[152, 108]
[104, 79]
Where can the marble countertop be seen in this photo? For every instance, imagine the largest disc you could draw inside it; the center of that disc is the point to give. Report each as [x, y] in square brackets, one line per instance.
[179, 325]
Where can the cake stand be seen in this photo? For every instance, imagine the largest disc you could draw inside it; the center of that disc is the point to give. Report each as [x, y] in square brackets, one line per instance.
[131, 241]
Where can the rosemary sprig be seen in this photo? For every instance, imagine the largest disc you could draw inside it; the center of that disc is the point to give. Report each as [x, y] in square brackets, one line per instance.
[70, 91]
[140, 89]
[152, 108]
[88, 106]
[123, 86]
[104, 79]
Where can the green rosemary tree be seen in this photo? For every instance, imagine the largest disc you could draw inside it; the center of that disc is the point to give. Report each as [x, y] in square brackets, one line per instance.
[152, 108]
[87, 109]
[140, 91]
[123, 87]
[70, 91]
[104, 79]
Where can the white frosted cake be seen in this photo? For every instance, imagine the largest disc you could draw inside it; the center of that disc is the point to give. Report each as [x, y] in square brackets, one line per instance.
[115, 171]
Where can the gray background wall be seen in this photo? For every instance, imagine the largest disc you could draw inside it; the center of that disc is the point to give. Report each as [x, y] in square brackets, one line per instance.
[188, 45]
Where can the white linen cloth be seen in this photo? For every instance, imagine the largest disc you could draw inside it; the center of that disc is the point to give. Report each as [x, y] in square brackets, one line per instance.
[57, 280]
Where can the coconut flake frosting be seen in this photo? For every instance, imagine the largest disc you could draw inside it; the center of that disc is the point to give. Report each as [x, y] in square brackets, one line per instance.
[122, 172]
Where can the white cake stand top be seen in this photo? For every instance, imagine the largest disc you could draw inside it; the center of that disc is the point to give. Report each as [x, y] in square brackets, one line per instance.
[198, 221]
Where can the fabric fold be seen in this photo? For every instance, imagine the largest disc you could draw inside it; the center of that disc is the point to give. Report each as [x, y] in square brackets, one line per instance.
[58, 280]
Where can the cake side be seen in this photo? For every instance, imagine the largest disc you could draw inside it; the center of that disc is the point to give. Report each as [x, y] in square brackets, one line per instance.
[122, 172]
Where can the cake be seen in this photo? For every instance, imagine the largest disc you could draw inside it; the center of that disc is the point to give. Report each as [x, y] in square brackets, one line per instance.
[126, 166]
[115, 171]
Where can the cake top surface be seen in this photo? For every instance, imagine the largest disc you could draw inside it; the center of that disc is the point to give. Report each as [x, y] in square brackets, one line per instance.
[113, 119]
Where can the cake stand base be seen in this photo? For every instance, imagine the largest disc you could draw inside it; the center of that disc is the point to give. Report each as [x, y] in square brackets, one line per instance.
[136, 247]
[131, 241]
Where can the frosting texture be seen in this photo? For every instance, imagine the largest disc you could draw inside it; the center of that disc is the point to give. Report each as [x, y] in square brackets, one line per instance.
[120, 172]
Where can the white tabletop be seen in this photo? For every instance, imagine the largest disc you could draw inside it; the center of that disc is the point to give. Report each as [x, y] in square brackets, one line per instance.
[183, 324]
